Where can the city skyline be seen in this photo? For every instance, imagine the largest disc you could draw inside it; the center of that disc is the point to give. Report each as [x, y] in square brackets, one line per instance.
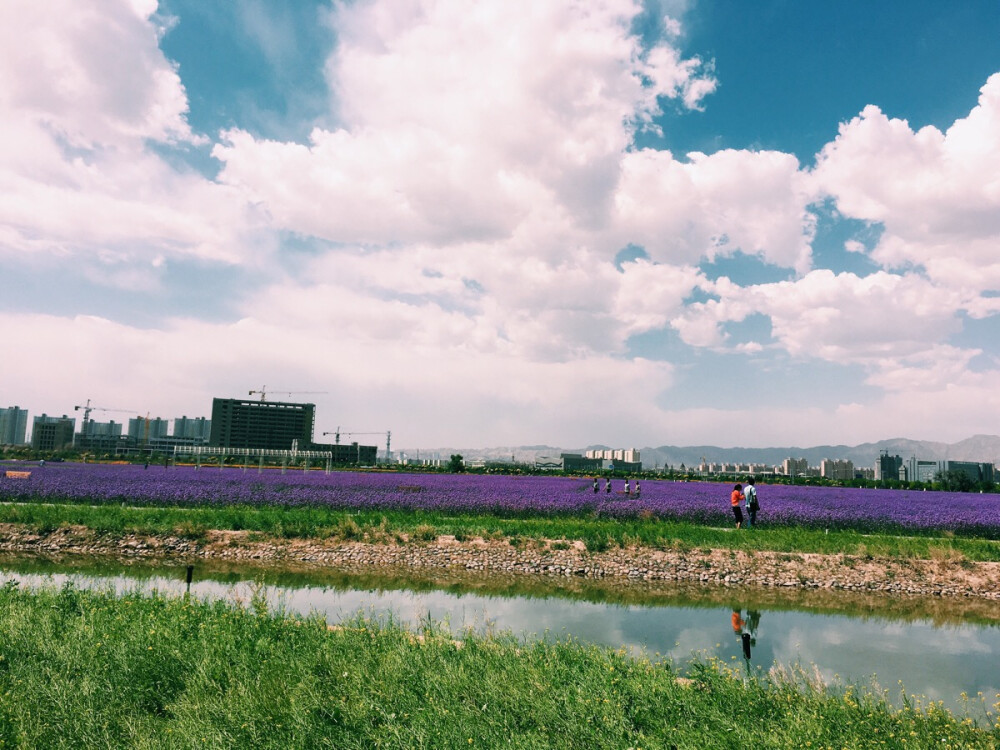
[619, 223]
[195, 431]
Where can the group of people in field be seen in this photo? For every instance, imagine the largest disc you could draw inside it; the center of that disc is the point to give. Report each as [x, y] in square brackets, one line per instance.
[745, 498]
[630, 489]
[741, 498]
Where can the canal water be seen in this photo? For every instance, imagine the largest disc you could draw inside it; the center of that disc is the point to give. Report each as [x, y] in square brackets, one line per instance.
[930, 648]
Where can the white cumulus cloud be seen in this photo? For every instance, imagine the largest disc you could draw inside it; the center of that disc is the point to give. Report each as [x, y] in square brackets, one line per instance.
[84, 91]
[459, 121]
[937, 194]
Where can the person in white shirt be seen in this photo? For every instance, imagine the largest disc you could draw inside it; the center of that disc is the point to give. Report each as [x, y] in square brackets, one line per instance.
[752, 505]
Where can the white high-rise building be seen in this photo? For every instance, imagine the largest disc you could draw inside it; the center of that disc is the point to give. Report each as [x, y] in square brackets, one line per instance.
[628, 455]
[794, 467]
[92, 428]
[631, 456]
[142, 429]
[836, 469]
[13, 425]
[193, 427]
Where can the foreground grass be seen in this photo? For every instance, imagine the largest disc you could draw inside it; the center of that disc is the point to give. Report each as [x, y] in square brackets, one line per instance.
[85, 669]
[382, 527]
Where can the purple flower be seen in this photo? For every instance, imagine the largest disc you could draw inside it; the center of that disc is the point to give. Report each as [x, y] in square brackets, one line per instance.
[867, 510]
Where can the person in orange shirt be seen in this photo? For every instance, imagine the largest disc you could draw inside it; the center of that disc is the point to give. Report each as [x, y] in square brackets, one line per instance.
[735, 500]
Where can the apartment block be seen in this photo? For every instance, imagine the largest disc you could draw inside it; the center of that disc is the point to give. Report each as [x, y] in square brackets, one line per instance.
[193, 427]
[836, 469]
[92, 428]
[52, 433]
[794, 467]
[624, 455]
[13, 425]
[142, 430]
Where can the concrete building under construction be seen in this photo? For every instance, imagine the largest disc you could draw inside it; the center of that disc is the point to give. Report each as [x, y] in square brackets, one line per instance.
[277, 425]
[52, 433]
[270, 425]
[350, 453]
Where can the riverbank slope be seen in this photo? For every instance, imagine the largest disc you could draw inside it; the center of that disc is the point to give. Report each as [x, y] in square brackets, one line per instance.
[944, 575]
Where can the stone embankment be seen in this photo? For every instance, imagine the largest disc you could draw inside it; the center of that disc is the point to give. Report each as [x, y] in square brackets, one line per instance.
[943, 577]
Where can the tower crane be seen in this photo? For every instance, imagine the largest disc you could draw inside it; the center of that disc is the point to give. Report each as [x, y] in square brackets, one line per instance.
[263, 392]
[87, 408]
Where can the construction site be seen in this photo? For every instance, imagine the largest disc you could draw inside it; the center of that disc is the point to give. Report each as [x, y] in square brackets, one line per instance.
[256, 429]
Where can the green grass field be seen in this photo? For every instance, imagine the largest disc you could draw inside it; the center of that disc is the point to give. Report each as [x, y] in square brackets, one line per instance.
[85, 669]
[385, 527]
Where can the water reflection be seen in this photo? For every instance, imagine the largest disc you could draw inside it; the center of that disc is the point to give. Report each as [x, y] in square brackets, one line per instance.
[746, 630]
[936, 649]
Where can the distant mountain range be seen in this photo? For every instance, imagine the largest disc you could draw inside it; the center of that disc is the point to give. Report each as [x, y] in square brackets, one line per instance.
[984, 448]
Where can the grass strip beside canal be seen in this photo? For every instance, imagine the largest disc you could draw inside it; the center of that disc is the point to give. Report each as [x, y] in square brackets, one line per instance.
[598, 534]
[91, 669]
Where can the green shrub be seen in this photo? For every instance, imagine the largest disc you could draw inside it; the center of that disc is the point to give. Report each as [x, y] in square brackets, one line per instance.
[425, 533]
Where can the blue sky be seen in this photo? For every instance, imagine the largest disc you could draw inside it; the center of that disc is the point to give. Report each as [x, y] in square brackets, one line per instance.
[617, 223]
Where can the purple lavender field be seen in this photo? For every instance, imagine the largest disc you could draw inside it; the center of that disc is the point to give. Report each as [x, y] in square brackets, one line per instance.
[510, 496]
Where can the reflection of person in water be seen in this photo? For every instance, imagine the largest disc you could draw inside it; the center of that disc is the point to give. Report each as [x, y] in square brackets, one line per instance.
[746, 630]
[738, 623]
[752, 622]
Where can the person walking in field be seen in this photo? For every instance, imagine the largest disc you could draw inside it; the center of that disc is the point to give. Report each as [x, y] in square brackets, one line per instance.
[752, 505]
[607, 485]
[595, 485]
[627, 490]
[735, 499]
[636, 491]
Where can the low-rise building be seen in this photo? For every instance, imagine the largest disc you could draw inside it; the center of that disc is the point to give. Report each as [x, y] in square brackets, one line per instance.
[976, 472]
[581, 463]
[349, 453]
[102, 437]
[918, 470]
[548, 463]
